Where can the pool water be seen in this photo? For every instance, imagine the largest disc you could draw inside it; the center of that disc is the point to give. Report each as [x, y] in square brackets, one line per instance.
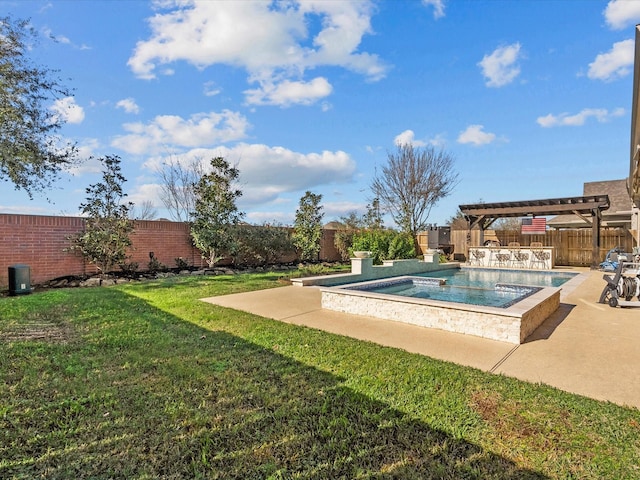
[501, 296]
[489, 278]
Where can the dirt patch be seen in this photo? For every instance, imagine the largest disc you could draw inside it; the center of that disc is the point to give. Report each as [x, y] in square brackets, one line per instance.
[47, 327]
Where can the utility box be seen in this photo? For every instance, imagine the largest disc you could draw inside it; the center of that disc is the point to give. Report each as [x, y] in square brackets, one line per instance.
[438, 236]
[19, 279]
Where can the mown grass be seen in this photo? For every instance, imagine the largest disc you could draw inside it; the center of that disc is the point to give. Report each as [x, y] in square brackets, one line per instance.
[145, 381]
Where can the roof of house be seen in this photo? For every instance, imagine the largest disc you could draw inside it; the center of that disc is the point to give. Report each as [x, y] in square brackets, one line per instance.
[618, 214]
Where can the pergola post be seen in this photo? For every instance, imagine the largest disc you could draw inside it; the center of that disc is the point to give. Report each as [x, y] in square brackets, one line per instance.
[595, 236]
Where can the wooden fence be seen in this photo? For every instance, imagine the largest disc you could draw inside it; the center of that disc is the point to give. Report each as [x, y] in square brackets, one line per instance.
[571, 247]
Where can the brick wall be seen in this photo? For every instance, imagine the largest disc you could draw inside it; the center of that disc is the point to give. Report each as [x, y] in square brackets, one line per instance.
[40, 241]
[167, 241]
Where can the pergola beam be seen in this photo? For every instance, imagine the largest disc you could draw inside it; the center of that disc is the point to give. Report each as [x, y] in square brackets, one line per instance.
[552, 206]
[586, 220]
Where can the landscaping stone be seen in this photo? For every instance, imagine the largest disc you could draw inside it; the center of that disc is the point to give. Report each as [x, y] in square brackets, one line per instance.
[91, 282]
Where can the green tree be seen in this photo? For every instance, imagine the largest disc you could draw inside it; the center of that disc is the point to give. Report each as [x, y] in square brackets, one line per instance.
[31, 152]
[105, 239]
[412, 182]
[216, 213]
[308, 226]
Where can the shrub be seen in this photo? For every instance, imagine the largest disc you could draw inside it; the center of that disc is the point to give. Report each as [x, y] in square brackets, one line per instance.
[402, 246]
[181, 263]
[375, 241]
[259, 245]
[343, 240]
[384, 245]
[155, 265]
[129, 268]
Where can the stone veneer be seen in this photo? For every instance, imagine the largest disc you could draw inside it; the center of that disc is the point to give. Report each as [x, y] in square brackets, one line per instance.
[513, 324]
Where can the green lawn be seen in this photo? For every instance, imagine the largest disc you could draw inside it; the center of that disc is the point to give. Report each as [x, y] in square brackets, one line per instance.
[145, 381]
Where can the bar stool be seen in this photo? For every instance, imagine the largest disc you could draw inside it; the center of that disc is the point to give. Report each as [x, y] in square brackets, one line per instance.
[502, 259]
[493, 253]
[518, 258]
[539, 257]
[477, 257]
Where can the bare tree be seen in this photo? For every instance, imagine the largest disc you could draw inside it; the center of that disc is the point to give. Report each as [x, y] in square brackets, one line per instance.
[178, 181]
[412, 182]
[146, 211]
[507, 223]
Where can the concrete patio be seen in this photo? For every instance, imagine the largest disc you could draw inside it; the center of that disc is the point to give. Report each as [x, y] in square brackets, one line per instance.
[585, 347]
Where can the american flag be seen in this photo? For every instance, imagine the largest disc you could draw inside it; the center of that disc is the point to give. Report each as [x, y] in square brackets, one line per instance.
[534, 226]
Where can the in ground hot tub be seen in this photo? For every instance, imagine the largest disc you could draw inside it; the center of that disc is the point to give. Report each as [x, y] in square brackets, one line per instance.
[508, 313]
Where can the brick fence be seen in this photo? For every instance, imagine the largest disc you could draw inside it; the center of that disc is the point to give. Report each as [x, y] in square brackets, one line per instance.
[40, 241]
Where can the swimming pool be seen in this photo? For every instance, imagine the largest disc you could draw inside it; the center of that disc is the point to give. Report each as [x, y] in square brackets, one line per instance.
[498, 295]
[510, 321]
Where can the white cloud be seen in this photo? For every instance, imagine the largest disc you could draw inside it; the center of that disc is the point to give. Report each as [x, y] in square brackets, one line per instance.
[564, 119]
[331, 210]
[500, 67]
[128, 105]
[621, 13]
[166, 132]
[289, 93]
[267, 172]
[342, 209]
[259, 218]
[439, 141]
[211, 89]
[272, 41]
[47, 32]
[616, 63]
[26, 209]
[438, 7]
[475, 135]
[408, 137]
[146, 192]
[63, 39]
[67, 110]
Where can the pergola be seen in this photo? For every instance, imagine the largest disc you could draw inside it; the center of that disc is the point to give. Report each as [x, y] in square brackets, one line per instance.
[588, 208]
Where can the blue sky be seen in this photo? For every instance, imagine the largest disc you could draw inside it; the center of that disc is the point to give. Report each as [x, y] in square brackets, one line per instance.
[531, 98]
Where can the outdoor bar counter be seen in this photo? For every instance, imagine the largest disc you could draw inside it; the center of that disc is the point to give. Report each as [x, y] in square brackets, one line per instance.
[541, 258]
